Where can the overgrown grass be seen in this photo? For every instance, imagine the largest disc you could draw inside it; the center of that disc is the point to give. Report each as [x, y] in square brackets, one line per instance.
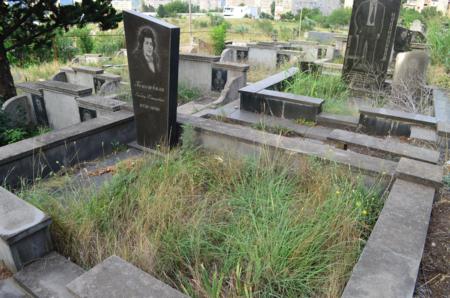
[330, 88]
[214, 226]
[186, 94]
[37, 72]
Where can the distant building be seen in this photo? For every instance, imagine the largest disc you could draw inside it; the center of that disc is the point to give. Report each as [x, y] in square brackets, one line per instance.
[120, 5]
[441, 5]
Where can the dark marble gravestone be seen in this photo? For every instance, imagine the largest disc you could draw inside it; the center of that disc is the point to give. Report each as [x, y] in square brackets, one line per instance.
[98, 82]
[39, 110]
[218, 79]
[87, 114]
[153, 50]
[370, 41]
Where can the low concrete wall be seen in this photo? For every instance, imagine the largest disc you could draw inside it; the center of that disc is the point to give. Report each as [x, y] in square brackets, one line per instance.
[263, 56]
[195, 71]
[37, 157]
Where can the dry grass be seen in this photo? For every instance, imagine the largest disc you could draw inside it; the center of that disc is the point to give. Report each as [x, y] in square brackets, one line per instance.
[38, 72]
[216, 226]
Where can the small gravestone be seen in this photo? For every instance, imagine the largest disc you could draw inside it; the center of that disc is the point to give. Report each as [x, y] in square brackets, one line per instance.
[98, 82]
[87, 114]
[219, 79]
[153, 51]
[39, 110]
[370, 40]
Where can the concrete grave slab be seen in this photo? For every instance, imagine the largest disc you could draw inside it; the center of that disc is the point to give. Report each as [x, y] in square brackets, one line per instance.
[337, 121]
[48, 277]
[399, 116]
[116, 278]
[386, 145]
[24, 231]
[390, 261]
[9, 289]
[423, 135]
[419, 172]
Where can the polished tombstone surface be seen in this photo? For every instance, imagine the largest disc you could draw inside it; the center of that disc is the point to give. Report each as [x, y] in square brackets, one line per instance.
[153, 52]
[370, 40]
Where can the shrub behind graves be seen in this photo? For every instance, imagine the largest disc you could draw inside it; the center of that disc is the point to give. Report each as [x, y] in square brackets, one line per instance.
[218, 36]
[438, 36]
[109, 43]
[84, 39]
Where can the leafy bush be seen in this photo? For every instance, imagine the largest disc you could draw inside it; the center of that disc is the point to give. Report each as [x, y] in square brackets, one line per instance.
[215, 20]
[439, 40]
[266, 16]
[218, 36]
[200, 24]
[288, 16]
[84, 41]
[408, 15]
[172, 8]
[109, 44]
[339, 17]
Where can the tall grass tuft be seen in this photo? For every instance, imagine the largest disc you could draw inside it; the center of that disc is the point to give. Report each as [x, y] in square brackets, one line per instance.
[215, 226]
[330, 88]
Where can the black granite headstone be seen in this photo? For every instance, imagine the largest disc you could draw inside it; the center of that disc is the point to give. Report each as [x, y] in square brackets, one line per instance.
[370, 41]
[402, 41]
[153, 51]
[39, 110]
[242, 56]
[219, 79]
[282, 59]
[98, 82]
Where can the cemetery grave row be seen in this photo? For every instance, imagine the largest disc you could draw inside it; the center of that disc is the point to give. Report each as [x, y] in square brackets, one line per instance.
[371, 145]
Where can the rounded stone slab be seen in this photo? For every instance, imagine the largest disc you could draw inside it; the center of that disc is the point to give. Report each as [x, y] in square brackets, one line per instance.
[16, 215]
[116, 278]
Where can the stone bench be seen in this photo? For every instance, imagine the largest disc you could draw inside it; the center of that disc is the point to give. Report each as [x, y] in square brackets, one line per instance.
[115, 278]
[24, 231]
[385, 146]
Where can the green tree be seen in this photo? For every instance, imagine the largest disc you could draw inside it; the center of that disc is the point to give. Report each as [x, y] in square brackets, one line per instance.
[272, 8]
[339, 17]
[85, 41]
[408, 15]
[35, 23]
[161, 12]
[218, 36]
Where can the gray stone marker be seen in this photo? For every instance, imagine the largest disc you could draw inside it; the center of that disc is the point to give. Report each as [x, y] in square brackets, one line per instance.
[24, 231]
[115, 278]
[153, 51]
[49, 276]
[370, 41]
[410, 73]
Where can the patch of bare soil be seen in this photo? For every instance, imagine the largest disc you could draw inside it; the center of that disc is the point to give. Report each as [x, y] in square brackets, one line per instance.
[434, 273]
[4, 272]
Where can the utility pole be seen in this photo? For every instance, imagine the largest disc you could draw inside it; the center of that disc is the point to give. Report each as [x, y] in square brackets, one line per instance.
[190, 19]
[300, 25]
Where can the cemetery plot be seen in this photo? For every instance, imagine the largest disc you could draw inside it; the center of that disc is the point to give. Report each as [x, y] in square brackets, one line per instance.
[193, 219]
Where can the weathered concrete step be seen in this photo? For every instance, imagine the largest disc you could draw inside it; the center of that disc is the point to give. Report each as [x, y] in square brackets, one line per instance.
[248, 118]
[337, 121]
[244, 141]
[390, 261]
[419, 172]
[423, 136]
[10, 289]
[48, 277]
[116, 278]
[386, 145]
[398, 116]
[24, 231]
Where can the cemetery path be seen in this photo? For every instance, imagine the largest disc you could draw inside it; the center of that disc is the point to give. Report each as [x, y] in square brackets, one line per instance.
[434, 274]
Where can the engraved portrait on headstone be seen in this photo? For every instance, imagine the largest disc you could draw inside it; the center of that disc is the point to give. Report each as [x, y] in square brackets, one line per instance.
[87, 114]
[98, 82]
[242, 56]
[39, 110]
[153, 51]
[370, 40]
[219, 79]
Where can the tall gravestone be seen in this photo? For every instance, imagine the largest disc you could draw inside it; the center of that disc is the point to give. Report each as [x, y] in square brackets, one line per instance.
[153, 52]
[370, 41]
